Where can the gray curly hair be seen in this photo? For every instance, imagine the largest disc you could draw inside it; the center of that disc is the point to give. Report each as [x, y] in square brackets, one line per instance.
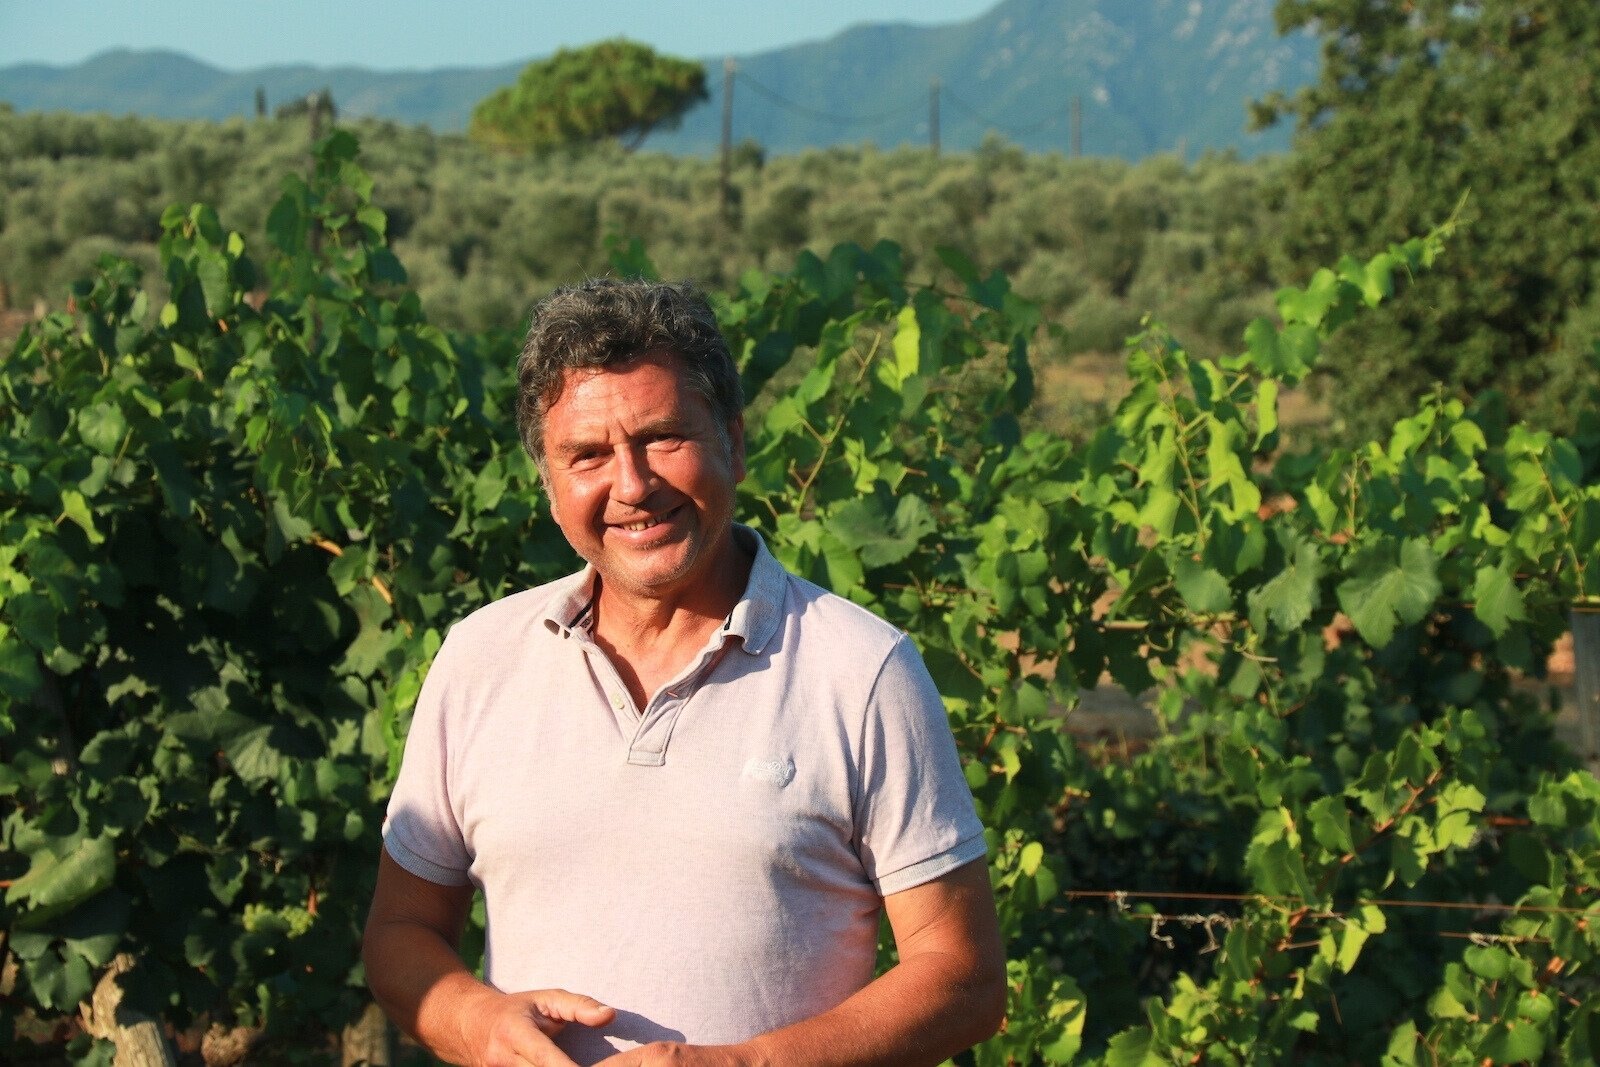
[606, 322]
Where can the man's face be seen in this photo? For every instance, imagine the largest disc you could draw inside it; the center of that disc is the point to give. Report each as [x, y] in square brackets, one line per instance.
[640, 476]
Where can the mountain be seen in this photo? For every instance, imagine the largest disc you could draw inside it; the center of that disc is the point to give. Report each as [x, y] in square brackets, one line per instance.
[1149, 75]
[1152, 76]
[169, 85]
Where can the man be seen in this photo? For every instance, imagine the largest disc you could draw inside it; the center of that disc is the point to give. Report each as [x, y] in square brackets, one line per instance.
[687, 782]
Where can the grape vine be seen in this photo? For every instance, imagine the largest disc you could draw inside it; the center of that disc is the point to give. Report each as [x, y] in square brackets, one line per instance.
[235, 527]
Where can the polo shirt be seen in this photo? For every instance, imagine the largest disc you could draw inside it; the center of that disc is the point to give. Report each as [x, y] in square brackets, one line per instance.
[711, 865]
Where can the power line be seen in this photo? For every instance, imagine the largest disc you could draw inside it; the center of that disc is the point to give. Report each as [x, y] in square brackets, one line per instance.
[1010, 131]
[826, 116]
[908, 107]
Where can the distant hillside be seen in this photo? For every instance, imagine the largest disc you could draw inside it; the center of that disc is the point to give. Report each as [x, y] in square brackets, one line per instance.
[1152, 76]
[168, 85]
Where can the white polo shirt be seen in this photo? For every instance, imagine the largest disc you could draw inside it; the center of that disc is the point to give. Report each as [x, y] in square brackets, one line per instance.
[710, 865]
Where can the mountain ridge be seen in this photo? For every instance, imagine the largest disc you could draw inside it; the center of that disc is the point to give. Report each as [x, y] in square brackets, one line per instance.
[1150, 76]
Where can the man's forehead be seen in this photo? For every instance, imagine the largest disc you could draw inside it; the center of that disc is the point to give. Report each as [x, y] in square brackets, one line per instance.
[664, 356]
[615, 397]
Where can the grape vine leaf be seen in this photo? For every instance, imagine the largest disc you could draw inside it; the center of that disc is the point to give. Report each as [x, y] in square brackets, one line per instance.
[1386, 591]
[861, 525]
[1290, 597]
[53, 881]
[1330, 824]
[1202, 588]
[101, 426]
[1402, 1050]
[1496, 599]
[1514, 1042]
[1131, 1048]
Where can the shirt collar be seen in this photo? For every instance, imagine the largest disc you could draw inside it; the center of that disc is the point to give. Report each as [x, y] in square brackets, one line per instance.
[571, 606]
[754, 619]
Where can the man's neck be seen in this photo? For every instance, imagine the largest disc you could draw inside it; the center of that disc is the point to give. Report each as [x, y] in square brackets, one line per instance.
[650, 639]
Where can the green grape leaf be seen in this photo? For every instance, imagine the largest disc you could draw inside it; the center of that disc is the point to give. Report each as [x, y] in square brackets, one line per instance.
[102, 427]
[1536, 1006]
[1330, 824]
[1266, 410]
[55, 882]
[1402, 1048]
[860, 524]
[1487, 961]
[95, 930]
[1290, 597]
[76, 508]
[1496, 599]
[1353, 937]
[1068, 1011]
[1457, 806]
[907, 344]
[1514, 1042]
[1385, 591]
[1203, 589]
[59, 983]
[1132, 1048]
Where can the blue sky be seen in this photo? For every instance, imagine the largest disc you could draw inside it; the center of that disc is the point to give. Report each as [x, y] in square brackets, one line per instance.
[419, 34]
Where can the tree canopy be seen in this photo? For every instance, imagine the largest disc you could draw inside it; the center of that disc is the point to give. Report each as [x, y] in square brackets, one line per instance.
[1420, 105]
[616, 88]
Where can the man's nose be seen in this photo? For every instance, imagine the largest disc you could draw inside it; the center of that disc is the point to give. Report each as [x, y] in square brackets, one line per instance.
[634, 479]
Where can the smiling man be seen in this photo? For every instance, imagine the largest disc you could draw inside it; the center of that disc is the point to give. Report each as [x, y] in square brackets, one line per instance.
[686, 782]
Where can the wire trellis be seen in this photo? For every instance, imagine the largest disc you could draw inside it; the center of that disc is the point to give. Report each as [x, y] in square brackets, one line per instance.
[1212, 921]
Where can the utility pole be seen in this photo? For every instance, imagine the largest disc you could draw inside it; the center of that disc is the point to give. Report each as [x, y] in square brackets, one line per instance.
[315, 103]
[724, 190]
[933, 117]
[1077, 126]
[261, 101]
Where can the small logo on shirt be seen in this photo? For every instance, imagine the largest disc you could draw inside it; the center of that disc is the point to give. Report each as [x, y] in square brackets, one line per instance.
[775, 772]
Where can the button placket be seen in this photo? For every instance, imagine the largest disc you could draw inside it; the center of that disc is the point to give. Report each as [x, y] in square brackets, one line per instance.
[649, 748]
[611, 686]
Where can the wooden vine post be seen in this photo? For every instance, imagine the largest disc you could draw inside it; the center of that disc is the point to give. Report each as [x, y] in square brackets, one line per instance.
[138, 1037]
[368, 1040]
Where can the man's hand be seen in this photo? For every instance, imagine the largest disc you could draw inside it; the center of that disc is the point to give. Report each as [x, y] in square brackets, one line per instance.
[413, 969]
[672, 1054]
[515, 1029]
[947, 993]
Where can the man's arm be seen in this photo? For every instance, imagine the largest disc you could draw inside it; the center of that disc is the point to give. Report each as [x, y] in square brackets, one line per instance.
[409, 948]
[947, 993]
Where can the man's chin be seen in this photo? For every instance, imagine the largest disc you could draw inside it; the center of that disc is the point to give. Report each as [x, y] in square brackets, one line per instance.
[661, 572]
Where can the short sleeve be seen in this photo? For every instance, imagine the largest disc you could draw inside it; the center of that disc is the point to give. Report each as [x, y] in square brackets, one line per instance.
[914, 814]
[421, 831]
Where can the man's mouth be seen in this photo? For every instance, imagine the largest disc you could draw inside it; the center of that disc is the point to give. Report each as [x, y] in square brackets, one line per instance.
[644, 524]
